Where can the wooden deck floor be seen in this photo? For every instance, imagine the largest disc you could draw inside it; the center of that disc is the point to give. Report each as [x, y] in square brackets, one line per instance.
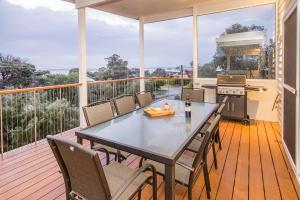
[252, 165]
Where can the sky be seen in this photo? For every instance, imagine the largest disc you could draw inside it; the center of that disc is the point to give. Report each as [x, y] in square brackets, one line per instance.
[45, 33]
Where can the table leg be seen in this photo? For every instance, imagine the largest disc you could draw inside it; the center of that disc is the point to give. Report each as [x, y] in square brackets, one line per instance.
[169, 182]
[79, 140]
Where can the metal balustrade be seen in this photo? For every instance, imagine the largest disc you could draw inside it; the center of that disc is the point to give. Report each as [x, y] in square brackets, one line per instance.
[28, 115]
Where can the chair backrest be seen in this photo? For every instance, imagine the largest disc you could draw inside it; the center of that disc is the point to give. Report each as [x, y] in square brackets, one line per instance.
[196, 95]
[81, 168]
[203, 148]
[124, 105]
[98, 112]
[144, 98]
[220, 109]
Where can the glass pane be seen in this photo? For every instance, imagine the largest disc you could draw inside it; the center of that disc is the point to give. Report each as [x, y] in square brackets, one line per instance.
[238, 43]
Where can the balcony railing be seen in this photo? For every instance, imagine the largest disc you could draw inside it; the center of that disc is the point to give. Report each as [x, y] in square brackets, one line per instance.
[28, 115]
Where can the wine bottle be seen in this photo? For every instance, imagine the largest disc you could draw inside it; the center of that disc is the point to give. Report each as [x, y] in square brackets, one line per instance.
[188, 113]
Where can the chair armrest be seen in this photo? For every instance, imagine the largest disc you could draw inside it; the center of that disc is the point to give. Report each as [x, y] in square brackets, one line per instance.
[131, 178]
[185, 166]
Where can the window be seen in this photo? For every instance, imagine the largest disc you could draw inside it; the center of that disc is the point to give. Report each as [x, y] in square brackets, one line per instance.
[238, 42]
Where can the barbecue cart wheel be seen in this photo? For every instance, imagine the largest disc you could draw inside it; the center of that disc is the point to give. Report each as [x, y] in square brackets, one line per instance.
[246, 121]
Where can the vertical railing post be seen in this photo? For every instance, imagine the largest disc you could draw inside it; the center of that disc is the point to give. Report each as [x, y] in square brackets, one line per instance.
[61, 114]
[113, 88]
[168, 84]
[1, 124]
[35, 118]
[154, 88]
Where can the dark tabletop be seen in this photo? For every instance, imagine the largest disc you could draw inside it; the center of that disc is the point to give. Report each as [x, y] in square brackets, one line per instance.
[164, 137]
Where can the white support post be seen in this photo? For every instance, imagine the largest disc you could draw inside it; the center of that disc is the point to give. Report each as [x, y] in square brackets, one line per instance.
[195, 44]
[142, 56]
[83, 98]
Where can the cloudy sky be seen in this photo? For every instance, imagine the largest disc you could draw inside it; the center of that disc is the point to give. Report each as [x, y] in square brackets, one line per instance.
[45, 33]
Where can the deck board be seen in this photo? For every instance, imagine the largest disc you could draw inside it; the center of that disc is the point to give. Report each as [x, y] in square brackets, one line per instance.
[269, 174]
[256, 186]
[251, 165]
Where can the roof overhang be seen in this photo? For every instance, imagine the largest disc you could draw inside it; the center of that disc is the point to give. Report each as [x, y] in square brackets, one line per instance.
[251, 38]
[159, 10]
[247, 43]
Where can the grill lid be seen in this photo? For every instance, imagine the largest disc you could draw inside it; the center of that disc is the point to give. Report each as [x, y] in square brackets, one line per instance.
[233, 80]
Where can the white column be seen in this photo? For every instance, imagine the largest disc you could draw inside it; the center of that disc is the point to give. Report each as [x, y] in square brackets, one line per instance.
[195, 44]
[142, 56]
[83, 99]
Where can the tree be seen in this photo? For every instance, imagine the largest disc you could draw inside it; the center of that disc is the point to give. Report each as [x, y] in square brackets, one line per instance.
[74, 70]
[238, 28]
[15, 72]
[159, 72]
[117, 67]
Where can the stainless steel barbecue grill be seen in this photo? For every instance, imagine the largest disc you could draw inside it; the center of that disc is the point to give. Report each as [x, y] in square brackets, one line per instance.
[233, 86]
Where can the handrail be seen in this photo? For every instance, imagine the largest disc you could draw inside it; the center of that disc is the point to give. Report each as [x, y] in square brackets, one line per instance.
[13, 91]
[167, 78]
[113, 81]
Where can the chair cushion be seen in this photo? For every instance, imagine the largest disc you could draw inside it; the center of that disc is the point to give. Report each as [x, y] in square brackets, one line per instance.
[182, 175]
[117, 174]
[98, 147]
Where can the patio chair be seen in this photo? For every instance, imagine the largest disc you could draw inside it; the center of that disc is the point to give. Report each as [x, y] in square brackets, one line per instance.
[124, 104]
[196, 143]
[217, 138]
[187, 169]
[206, 125]
[100, 112]
[144, 98]
[85, 178]
[196, 95]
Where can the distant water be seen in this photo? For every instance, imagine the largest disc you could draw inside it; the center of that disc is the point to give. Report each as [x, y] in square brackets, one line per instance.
[59, 71]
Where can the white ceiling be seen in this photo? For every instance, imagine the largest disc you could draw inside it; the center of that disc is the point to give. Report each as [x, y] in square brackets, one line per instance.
[140, 8]
[157, 10]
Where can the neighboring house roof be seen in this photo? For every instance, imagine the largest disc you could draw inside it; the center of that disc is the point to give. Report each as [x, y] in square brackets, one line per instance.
[251, 38]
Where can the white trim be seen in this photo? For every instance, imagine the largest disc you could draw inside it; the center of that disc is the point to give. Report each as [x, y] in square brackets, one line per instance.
[290, 160]
[195, 44]
[289, 10]
[168, 15]
[83, 96]
[142, 54]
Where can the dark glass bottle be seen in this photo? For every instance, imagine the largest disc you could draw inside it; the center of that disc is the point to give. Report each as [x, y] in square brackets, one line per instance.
[188, 111]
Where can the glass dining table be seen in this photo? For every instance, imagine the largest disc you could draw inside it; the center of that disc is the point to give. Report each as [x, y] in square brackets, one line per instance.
[161, 139]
